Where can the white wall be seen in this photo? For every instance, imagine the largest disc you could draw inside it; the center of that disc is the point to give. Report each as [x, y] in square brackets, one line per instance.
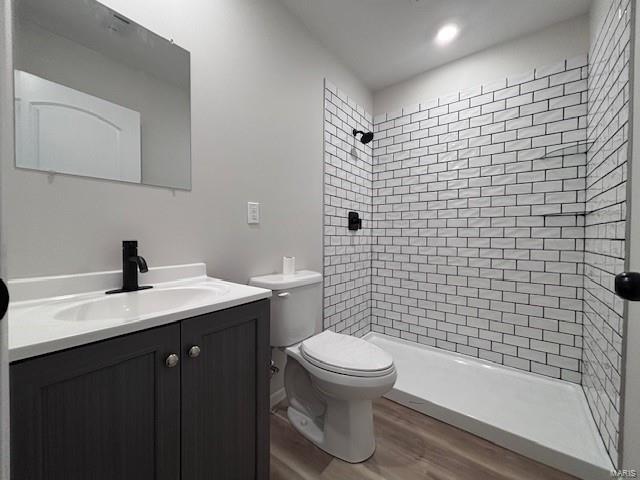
[555, 43]
[257, 126]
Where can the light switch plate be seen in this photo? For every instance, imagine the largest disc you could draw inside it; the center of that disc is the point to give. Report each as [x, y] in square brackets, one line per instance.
[253, 213]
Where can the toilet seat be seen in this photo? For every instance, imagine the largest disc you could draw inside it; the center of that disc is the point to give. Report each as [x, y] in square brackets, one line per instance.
[346, 355]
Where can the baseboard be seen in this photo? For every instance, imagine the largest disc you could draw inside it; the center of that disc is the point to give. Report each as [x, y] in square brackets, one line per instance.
[277, 397]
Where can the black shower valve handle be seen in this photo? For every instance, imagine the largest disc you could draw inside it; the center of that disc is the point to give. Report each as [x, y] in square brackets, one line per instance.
[354, 221]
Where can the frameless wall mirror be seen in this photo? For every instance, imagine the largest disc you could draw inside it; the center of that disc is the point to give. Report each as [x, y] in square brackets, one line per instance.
[100, 96]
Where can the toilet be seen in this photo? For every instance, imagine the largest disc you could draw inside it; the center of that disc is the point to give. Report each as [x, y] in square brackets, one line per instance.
[330, 379]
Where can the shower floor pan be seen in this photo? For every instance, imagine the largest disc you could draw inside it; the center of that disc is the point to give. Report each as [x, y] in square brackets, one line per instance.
[542, 418]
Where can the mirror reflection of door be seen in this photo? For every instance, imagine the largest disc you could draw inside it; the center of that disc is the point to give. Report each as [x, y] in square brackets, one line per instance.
[50, 117]
[99, 95]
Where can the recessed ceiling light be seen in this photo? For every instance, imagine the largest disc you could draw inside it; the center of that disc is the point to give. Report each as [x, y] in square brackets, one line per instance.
[447, 34]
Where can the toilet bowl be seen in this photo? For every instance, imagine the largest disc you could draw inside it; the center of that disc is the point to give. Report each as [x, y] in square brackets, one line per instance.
[330, 402]
[330, 379]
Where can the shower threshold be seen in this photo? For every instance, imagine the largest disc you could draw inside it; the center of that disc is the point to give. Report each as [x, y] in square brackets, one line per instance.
[542, 418]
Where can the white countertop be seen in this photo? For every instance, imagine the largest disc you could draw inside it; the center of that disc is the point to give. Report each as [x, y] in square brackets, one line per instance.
[36, 326]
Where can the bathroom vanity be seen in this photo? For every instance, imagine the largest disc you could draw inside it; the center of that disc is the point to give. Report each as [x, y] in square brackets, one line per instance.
[185, 395]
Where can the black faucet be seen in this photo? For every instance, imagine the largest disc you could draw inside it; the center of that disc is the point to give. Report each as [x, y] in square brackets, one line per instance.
[131, 262]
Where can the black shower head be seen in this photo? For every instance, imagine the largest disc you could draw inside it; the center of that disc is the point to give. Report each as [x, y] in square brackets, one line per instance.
[366, 137]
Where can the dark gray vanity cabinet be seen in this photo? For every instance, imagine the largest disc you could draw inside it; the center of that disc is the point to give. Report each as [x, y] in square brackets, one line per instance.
[124, 408]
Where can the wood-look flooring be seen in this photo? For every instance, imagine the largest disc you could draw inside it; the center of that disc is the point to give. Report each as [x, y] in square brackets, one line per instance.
[409, 446]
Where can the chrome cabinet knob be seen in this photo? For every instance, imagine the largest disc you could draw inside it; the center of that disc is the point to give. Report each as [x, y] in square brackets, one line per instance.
[172, 360]
[194, 351]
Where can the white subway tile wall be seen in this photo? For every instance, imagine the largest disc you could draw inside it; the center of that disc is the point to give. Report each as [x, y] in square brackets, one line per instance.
[478, 221]
[608, 131]
[348, 174]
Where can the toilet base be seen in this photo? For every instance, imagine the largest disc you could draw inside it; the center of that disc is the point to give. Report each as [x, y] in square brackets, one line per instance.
[334, 410]
[345, 431]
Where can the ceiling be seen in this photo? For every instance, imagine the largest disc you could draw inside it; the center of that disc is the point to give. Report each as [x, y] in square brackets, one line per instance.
[387, 41]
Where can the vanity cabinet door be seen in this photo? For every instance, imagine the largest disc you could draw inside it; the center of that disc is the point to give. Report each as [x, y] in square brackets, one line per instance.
[225, 394]
[105, 411]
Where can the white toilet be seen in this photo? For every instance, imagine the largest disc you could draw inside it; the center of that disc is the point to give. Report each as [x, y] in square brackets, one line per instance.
[330, 378]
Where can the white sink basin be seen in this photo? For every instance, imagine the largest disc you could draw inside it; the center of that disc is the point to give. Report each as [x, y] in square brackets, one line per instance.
[133, 305]
[55, 313]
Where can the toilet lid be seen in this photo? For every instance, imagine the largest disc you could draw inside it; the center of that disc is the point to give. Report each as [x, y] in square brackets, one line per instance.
[346, 354]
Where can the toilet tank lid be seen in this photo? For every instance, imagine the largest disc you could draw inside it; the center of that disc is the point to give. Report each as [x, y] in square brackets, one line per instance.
[280, 281]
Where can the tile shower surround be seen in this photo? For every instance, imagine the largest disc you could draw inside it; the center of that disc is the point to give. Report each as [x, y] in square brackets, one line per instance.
[465, 253]
[478, 221]
[605, 229]
[467, 250]
[347, 187]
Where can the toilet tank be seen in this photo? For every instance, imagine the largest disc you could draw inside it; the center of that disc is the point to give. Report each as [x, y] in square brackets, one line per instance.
[296, 305]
